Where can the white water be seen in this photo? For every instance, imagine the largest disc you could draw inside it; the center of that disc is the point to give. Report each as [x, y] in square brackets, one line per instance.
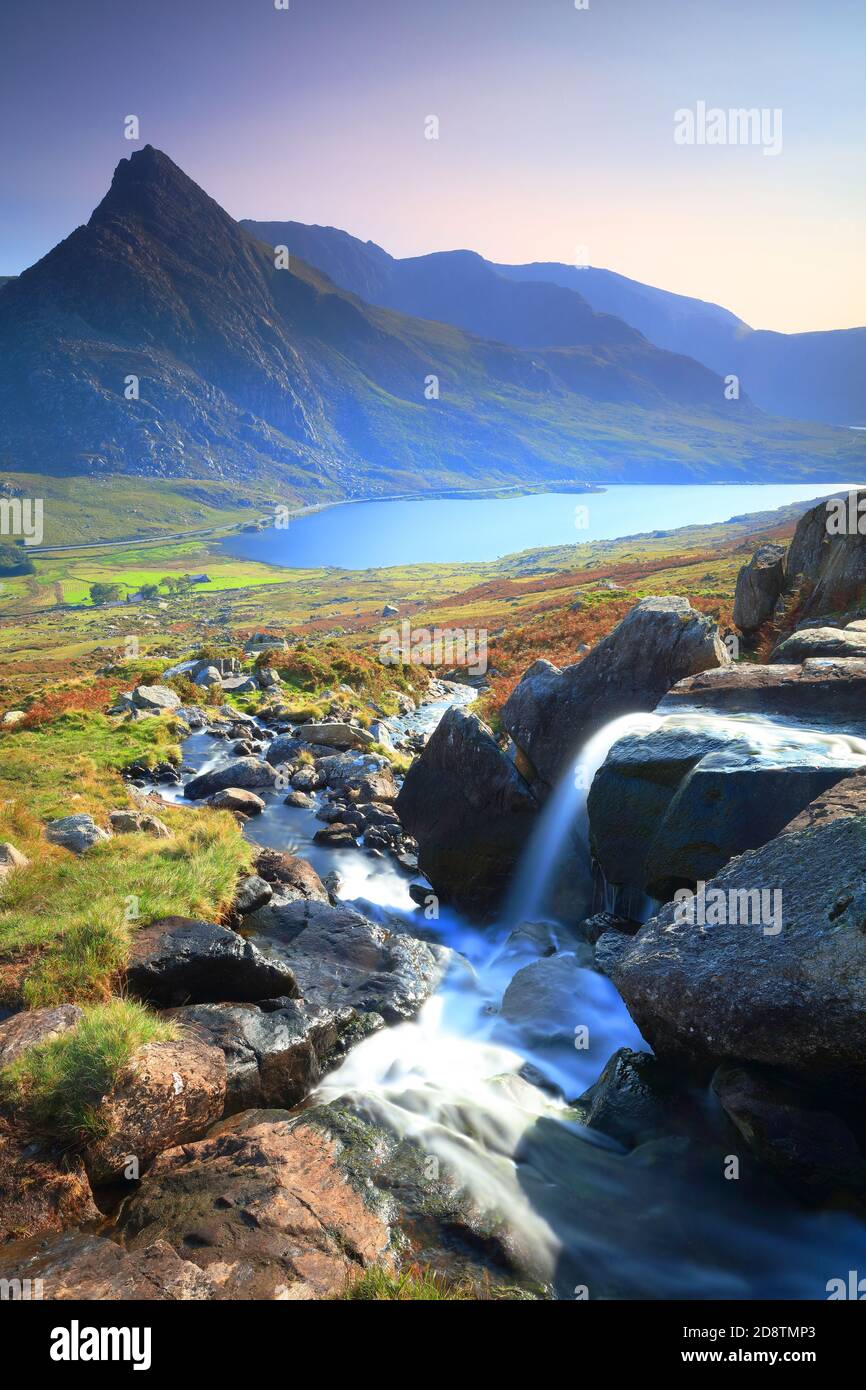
[486, 1100]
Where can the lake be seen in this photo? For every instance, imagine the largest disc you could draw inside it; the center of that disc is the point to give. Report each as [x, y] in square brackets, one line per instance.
[367, 535]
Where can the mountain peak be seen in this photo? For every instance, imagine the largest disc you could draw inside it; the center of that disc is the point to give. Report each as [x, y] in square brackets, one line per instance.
[146, 183]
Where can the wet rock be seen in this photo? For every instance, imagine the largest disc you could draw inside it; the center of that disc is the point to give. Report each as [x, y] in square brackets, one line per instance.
[169, 1093]
[669, 808]
[307, 779]
[33, 1026]
[155, 697]
[542, 998]
[138, 823]
[551, 713]
[236, 799]
[274, 1057]
[784, 991]
[177, 960]
[341, 960]
[637, 1098]
[90, 1268]
[470, 811]
[299, 799]
[75, 833]
[41, 1188]
[251, 893]
[263, 1209]
[793, 1131]
[245, 773]
[820, 641]
[336, 836]
[290, 876]
[759, 585]
[820, 693]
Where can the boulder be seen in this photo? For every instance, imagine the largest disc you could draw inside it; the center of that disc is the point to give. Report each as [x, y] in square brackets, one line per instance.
[290, 876]
[285, 749]
[168, 1093]
[245, 773]
[820, 693]
[794, 1132]
[92, 1269]
[41, 1188]
[670, 807]
[338, 735]
[11, 858]
[826, 566]
[251, 893]
[638, 1099]
[33, 1026]
[76, 833]
[374, 786]
[542, 998]
[820, 641]
[273, 1056]
[177, 960]
[470, 811]
[551, 713]
[155, 697]
[759, 585]
[341, 960]
[786, 991]
[240, 685]
[236, 799]
[138, 823]
[208, 677]
[263, 1208]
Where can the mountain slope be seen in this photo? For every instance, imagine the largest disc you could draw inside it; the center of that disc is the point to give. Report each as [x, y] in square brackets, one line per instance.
[812, 376]
[248, 374]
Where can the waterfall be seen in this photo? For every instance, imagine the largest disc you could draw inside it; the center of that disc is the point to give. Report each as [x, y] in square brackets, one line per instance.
[562, 831]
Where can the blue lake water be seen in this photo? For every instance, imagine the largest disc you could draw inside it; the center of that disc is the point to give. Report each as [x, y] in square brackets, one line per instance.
[366, 535]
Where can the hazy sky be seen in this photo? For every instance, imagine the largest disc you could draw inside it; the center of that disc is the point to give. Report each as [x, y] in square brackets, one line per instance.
[556, 130]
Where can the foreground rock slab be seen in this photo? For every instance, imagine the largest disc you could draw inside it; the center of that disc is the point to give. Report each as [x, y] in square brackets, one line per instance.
[552, 712]
[94, 1269]
[262, 1208]
[470, 811]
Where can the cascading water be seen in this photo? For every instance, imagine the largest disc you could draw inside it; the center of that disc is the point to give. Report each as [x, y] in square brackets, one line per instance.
[488, 1098]
[562, 831]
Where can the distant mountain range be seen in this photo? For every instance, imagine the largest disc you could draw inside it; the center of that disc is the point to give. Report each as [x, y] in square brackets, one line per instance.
[162, 340]
[808, 376]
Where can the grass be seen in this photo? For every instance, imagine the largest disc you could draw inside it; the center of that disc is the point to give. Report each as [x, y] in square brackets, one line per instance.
[421, 1284]
[72, 916]
[56, 1087]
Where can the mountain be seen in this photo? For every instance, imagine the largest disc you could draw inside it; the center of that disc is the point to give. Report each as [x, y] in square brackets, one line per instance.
[811, 376]
[161, 340]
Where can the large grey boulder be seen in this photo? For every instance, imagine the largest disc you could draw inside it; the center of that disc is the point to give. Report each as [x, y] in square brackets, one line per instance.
[338, 735]
[76, 833]
[670, 807]
[551, 713]
[788, 991]
[820, 693]
[340, 959]
[470, 811]
[155, 697]
[245, 773]
[178, 960]
[820, 641]
[759, 586]
[829, 554]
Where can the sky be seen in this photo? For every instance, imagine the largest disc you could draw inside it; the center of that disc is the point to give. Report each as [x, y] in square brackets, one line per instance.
[555, 131]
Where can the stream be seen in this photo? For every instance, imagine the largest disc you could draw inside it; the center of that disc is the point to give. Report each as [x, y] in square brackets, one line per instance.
[491, 1100]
